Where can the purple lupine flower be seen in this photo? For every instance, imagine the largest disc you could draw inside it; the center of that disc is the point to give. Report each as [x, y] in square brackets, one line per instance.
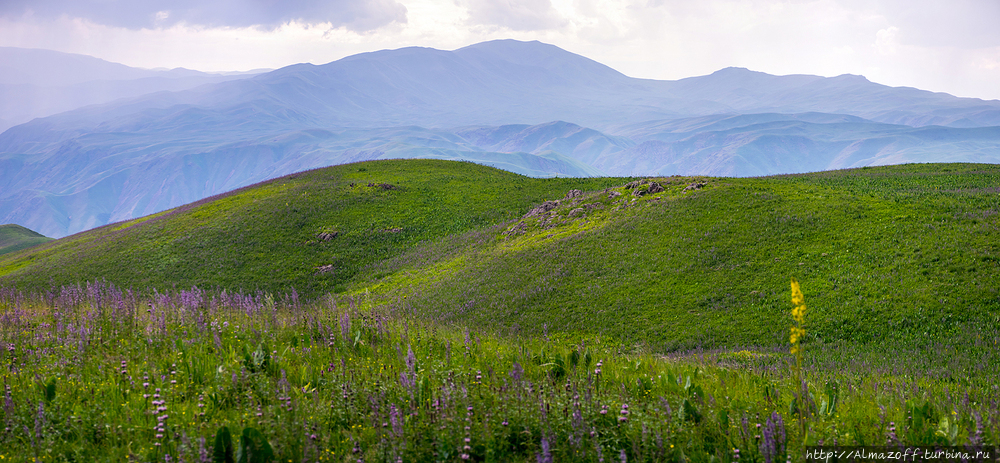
[8, 401]
[39, 420]
[345, 325]
[773, 441]
[411, 360]
[546, 455]
[516, 372]
[781, 429]
[666, 406]
[577, 418]
[396, 418]
[976, 438]
[405, 381]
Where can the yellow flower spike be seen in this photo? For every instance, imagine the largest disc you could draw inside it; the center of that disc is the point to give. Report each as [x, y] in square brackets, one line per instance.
[797, 297]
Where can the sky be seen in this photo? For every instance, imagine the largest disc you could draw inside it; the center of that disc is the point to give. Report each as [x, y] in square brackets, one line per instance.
[946, 46]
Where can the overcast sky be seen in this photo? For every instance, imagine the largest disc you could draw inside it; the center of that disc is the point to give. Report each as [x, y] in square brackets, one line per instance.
[950, 46]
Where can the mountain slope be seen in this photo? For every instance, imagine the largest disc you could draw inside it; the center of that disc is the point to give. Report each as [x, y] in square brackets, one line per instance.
[766, 144]
[748, 91]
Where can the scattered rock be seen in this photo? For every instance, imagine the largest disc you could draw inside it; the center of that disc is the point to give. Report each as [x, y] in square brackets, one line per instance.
[327, 236]
[325, 269]
[695, 186]
[391, 230]
[573, 193]
[543, 208]
[384, 186]
[518, 229]
[577, 211]
[614, 194]
[594, 206]
[655, 188]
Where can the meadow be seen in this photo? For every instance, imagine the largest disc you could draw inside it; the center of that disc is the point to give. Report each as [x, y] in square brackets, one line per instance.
[95, 373]
[442, 311]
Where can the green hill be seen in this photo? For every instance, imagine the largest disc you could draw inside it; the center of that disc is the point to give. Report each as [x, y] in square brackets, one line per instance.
[15, 238]
[904, 255]
[315, 231]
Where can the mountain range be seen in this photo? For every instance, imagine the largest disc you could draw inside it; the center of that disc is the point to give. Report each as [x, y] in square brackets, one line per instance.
[37, 83]
[527, 107]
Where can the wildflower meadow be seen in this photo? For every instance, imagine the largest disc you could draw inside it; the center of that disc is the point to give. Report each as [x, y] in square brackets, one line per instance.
[97, 373]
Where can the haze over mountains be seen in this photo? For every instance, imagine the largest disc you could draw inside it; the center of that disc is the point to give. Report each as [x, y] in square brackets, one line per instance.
[527, 107]
[36, 83]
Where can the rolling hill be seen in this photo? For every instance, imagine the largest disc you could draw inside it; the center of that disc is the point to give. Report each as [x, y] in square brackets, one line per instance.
[15, 238]
[885, 252]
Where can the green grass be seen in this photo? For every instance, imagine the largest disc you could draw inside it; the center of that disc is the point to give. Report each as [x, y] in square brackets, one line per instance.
[342, 380]
[266, 236]
[901, 259]
[15, 238]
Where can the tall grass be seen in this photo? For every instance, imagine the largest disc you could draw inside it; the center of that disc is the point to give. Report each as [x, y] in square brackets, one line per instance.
[97, 373]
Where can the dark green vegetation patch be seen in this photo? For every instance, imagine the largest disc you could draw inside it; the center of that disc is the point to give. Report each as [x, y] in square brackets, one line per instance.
[15, 238]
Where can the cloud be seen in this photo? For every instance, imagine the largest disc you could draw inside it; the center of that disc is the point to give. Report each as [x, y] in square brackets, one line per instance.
[516, 15]
[964, 24]
[885, 40]
[357, 15]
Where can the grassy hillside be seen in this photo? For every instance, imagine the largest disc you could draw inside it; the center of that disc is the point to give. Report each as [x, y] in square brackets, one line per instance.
[904, 255]
[15, 237]
[279, 234]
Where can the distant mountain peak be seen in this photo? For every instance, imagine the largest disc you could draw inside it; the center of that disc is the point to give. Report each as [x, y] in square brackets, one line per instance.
[852, 78]
[734, 70]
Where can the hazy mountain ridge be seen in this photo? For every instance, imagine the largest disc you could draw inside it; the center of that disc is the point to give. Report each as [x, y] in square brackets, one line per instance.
[38, 83]
[527, 107]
